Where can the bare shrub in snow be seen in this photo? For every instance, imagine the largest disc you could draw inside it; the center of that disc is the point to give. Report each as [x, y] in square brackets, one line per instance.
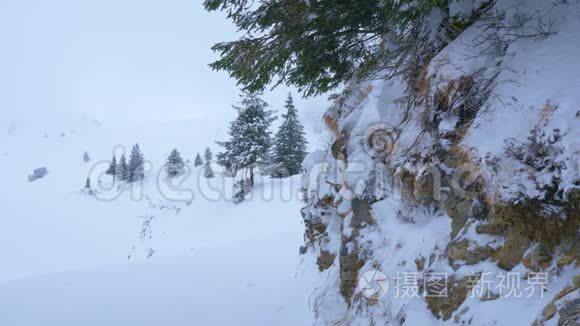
[544, 155]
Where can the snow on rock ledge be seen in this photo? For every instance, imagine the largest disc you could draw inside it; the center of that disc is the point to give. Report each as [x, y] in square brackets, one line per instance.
[471, 173]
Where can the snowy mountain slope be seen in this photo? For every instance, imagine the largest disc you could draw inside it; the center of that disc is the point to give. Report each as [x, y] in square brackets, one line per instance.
[70, 258]
[42, 211]
[247, 282]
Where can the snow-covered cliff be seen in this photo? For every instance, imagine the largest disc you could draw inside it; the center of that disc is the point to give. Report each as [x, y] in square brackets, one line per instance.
[450, 194]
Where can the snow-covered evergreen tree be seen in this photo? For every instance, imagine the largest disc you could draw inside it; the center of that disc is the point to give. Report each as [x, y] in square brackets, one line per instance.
[174, 165]
[249, 142]
[198, 161]
[122, 169]
[112, 170]
[207, 170]
[136, 167]
[207, 155]
[86, 157]
[87, 189]
[319, 45]
[223, 159]
[289, 144]
[239, 191]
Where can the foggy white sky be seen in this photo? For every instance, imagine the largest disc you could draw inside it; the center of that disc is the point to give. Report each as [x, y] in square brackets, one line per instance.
[125, 63]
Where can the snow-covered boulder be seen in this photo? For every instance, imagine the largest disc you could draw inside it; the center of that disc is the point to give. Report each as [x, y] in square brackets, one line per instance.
[37, 174]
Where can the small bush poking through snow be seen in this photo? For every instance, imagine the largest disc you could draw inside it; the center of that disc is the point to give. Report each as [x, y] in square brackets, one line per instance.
[240, 191]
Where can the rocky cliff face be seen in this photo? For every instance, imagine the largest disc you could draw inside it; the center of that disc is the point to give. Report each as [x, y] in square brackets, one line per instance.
[451, 193]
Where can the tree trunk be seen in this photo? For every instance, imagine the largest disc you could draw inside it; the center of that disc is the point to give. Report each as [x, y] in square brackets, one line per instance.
[251, 176]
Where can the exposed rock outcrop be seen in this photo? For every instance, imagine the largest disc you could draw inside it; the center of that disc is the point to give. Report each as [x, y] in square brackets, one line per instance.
[438, 172]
